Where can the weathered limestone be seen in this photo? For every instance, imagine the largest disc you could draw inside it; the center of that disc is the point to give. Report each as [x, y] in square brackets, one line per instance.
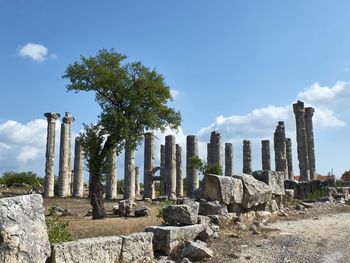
[228, 159]
[247, 157]
[208, 208]
[214, 154]
[192, 175]
[179, 181]
[167, 238]
[137, 180]
[170, 166]
[289, 158]
[275, 179]
[280, 149]
[162, 183]
[88, 250]
[299, 112]
[181, 214]
[149, 164]
[226, 189]
[196, 251]
[50, 153]
[265, 155]
[255, 193]
[309, 112]
[111, 181]
[64, 175]
[129, 174]
[78, 187]
[23, 232]
[137, 247]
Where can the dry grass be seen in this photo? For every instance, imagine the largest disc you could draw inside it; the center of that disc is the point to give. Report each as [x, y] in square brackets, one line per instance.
[82, 226]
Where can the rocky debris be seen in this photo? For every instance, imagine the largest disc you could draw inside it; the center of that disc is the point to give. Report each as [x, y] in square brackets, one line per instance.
[67, 212]
[197, 250]
[225, 189]
[307, 205]
[275, 179]
[181, 214]
[88, 250]
[23, 232]
[166, 238]
[212, 208]
[184, 201]
[206, 234]
[34, 190]
[124, 207]
[137, 247]
[272, 206]
[254, 229]
[255, 192]
[337, 192]
[219, 220]
[288, 195]
[89, 213]
[18, 185]
[142, 211]
[148, 200]
[263, 214]
[203, 219]
[299, 207]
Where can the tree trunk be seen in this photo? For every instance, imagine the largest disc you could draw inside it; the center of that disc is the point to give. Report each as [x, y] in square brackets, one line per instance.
[97, 190]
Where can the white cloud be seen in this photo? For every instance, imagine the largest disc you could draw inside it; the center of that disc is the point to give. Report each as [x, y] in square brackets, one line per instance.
[35, 51]
[174, 93]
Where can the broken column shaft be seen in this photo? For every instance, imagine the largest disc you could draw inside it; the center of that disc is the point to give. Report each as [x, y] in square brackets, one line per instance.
[289, 158]
[129, 174]
[78, 187]
[247, 157]
[179, 181]
[280, 149]
[192, 175]
[214, 150]
[228, 159]
[149, 164]
[111, 181]
[170, 166]
[309, 112]
[265, 155]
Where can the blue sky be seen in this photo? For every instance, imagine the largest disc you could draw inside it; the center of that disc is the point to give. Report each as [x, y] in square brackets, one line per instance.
[234, 66]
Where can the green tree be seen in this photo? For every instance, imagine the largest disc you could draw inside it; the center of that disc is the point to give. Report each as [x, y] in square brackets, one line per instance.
[133, 99]
[30, 178]
[345, 176]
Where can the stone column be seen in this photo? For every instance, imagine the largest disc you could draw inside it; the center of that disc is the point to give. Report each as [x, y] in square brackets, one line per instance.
[192, 175]
[303, 158]
[247, 157]
[289, 158]
[50, 154]
[137, 180]
[162, 182]
[309, 112]
[111, 180]
[179, 181]
[64, 177]
[78, 187]
[170, 166]
[129, 174]
[265, 155]
[228, 159]
[280, 149]
[214, 155]
[149, 164]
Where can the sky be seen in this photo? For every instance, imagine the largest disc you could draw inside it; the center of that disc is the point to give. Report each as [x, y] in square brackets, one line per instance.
[232, 66]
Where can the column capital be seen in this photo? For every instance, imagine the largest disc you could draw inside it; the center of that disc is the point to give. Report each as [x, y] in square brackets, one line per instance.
[309, 112]
[51, 116]
[298, 107]
[68, 118]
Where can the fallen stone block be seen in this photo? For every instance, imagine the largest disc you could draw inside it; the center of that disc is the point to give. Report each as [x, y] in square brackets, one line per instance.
[23, 232]
[275, 179]
[288, 195]
[203, 219]
[225, 189]
[166, 238]
[196, 251]
[207, 208]
[142, 211]
[255, 192]
[137, 247]
[206, 234]
[181, 214]
[88, 250]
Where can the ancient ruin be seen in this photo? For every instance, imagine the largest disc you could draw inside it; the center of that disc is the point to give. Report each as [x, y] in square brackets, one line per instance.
[265, 155]
[192, 175]
[111, 179]
[289, 158]
[78, 187]
[228, 159]
[129, 174]
[179, 179]
[149, 164]
[280, 149]
[214, 149]
[170, 166]
[247, 157]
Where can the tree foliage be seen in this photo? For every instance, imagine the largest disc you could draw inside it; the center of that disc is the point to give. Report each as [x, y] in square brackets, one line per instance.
[196, 163]
[345, 176]
[133, 99]
[29, 178]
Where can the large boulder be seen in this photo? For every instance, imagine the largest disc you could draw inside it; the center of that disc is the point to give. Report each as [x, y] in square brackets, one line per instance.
[181, 214]
[225, 189]
[196, 251]
[255, 192]
[166, 238]
[208, 208]
[88, 250]
[275, 179]
[137, 247]
[142, 211]
[23, 232]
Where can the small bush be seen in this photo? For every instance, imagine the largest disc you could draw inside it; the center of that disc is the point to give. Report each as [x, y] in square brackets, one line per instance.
[294, 202]
[56, 229]
[30, 178]
[196, 163]
[165, 204]
[120, 186]
[314, 195]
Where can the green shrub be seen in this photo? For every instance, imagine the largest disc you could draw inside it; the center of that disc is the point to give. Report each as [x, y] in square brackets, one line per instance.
[30, 178]
[196, 163]
[56, 229]
[120, 186]
[294, 202]
[345, 176]
[314, 195]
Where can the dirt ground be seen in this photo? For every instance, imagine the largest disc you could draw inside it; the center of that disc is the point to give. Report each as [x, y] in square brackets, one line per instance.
[82, 226]
[320, 234]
